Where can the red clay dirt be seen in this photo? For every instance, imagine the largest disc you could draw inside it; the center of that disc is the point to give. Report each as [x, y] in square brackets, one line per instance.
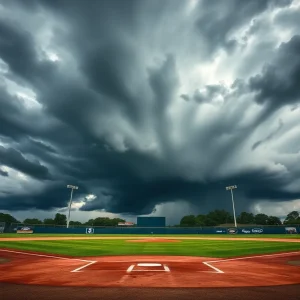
[170, 271]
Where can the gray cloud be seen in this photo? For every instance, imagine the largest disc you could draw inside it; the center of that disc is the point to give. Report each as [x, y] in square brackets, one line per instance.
[216, 22]
[3, 173]
[269, 137]
[14, 159]
[107, 114]
[280, 80]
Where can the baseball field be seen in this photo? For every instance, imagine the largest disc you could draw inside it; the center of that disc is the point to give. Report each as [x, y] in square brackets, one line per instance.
[191, 265]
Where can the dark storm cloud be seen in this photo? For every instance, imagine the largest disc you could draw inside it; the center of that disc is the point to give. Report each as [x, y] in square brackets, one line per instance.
[3, 173]
[107, 100]
[269, 137]
[54, 196]
[17, 49]
[14, 159]
[279, 83]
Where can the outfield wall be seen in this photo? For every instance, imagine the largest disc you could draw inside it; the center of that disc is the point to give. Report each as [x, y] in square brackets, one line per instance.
[155, 230]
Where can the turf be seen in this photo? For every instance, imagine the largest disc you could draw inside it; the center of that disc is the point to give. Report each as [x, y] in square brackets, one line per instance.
[207, 248]
[285, 236]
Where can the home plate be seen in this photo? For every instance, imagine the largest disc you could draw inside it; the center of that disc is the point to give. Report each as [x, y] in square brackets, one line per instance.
[149, 265]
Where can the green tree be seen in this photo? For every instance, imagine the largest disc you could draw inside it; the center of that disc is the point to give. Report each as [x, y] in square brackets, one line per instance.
[60, 219]
[245, 218]
[7, 218]
[49, 222]
[261, 219]
[218, 217]
[115, 221]
[75, 223]
[90, 222]
[273, 221]
[33, 221]
[292, 218]
[188, 221]
[200, 220]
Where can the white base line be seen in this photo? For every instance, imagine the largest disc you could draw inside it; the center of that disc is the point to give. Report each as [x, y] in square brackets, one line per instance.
[216, 269]
[130, 269]
[208, 263]
[166, 268]
[256, 256]
[80, 268]
[89, 262]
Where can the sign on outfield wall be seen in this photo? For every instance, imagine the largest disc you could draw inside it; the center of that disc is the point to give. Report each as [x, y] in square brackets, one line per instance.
[290, 229]
[125, 224]
[246, 230]
[257, 230]
[252, 230]
[232, 230]
[220, 231]
[25, 229]
[89, 230]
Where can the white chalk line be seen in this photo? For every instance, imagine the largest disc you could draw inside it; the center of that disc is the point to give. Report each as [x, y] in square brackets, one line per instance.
[80, 268]
[89, 262]
[216, 269]
[208, 263]
[167, 269]
[130, 269]
[252, 257]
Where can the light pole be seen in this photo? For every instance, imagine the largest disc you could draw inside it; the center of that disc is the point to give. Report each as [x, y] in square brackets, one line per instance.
[231, 188]
[72, 187]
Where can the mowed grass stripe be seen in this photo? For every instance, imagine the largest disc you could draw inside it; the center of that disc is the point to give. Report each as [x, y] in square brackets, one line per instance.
[122, 247]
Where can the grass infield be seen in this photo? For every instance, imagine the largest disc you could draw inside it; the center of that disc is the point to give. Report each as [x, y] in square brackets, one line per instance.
[104, 247]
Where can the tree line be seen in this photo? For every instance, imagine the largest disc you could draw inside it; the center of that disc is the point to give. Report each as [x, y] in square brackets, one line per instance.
[220, 217]
[213, 218]
[61, 219]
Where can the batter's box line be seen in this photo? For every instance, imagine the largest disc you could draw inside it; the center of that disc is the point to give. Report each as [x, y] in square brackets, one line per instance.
[88, 262]
[131, 268]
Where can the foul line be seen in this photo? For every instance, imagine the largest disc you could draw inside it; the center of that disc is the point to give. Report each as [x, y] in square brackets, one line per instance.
[256, 256]
[208, 263]
[216, 269]
[89, 262]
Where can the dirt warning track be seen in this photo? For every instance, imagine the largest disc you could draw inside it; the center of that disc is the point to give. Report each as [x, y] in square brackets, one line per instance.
[149, 271]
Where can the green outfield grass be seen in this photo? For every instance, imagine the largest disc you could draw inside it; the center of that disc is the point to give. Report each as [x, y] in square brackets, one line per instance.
[285, 236]
[207, 248]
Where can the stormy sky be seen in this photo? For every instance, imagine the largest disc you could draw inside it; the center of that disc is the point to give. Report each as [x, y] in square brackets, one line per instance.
[149, 106]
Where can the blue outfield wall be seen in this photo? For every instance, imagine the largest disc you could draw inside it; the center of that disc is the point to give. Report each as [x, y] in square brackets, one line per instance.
[162, 230]
[151, 222]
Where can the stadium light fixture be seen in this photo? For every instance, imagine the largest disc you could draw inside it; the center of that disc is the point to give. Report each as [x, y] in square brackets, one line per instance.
[232, 187]
[72, 187]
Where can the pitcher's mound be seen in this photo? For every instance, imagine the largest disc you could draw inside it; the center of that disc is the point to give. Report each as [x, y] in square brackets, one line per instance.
[154, 240]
